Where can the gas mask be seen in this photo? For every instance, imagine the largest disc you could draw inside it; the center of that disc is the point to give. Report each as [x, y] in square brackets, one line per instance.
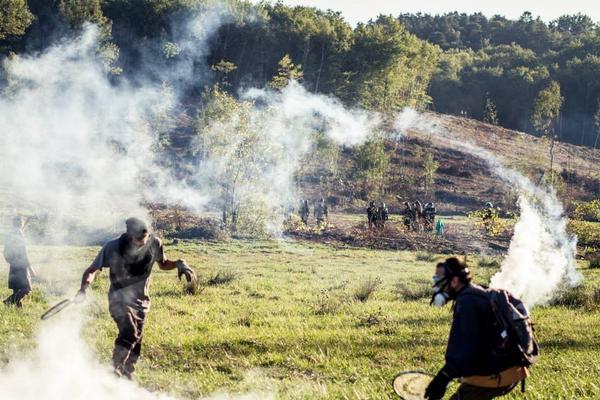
[439, 297]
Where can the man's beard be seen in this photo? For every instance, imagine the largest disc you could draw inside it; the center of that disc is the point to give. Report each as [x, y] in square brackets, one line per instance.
[451, 292]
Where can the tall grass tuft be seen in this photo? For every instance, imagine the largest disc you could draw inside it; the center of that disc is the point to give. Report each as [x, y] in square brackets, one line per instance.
[221, 278]
[425, 256]
[327, 304]
[366, 289]
[578, 297]
[488, 262]
[413, 291]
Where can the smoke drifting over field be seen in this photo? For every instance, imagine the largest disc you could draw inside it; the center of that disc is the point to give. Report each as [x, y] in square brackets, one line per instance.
[77, 145]
[541, 256]
[63, 367]
[257, 149]
[84, 149]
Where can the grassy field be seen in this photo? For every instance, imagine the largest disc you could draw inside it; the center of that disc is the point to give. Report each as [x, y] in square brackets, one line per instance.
[287, 321]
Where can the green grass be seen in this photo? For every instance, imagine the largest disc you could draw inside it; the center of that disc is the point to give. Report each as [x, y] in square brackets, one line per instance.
[288, 323]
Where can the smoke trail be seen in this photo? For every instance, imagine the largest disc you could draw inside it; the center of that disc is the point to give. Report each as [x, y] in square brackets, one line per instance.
[254, 152]
[541, 256]
[78, 145]
[295, 112]
[84, 149]
[63, 367]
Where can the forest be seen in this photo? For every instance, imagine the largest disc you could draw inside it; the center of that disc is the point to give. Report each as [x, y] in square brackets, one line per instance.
[526, 74]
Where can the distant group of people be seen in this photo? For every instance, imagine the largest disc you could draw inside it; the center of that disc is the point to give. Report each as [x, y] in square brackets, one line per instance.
[377, 215]
[419, 217]
[416, 217]
[320, 212]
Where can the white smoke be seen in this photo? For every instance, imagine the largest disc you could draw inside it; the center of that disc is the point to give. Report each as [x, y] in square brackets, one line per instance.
[541, 256]
[295, 113]
[77, 145]
[257, 151]
[63, 367]
[83, 148]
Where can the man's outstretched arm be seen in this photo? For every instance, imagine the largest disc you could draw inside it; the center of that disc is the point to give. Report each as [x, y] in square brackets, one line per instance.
[88, 277]
[182, 268]
[167, 265]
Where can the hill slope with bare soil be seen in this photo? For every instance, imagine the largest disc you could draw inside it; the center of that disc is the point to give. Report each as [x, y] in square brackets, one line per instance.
[462, 181]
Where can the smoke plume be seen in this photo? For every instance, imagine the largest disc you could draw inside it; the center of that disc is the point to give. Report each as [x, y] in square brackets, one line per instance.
[78, 146]
[254, 152]
[63, 367]
[84, 149]
[541, 256]
[87, 150]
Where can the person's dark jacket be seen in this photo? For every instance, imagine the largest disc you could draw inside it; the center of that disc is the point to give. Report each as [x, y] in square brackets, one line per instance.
[472, 336]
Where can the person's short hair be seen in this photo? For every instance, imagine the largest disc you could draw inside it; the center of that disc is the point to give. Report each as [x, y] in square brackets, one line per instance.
[136, 228]
[458, 268]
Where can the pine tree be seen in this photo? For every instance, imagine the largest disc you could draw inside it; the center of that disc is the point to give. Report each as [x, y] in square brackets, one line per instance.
[490, 115]
[286, 72]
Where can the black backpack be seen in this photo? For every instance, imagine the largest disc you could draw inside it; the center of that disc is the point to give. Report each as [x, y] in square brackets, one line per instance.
[516, 339]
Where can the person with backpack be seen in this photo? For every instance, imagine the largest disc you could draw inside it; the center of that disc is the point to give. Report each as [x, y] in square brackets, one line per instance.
[20, 269]
[491, 341]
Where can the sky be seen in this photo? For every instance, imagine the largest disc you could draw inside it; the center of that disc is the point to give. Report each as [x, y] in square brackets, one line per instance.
[362, 10]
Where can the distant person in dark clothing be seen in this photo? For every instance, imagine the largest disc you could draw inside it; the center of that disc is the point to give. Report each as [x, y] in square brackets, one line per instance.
[20, 269]
[372, 214]
[320, 212]
[470, 352]
[129, 259]
[304, 212]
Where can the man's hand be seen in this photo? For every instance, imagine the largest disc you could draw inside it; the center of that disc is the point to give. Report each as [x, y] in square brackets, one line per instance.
[190, 276]
[184, 269]
[437, 387]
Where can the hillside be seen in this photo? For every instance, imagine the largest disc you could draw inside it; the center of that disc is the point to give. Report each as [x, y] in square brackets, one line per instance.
[463, 182]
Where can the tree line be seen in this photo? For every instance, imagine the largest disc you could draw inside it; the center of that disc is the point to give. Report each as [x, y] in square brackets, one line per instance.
[526, 74]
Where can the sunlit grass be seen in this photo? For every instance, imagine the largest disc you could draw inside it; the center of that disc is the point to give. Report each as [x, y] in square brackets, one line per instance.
[289, 323]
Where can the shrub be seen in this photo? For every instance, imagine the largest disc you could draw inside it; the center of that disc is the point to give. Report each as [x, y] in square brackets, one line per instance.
[587, 211]
[221, 278]
[587, 233]
[488, 262]
[424, 256]
[414, 291]
[326, 304]
[578, 297]
[366, 289]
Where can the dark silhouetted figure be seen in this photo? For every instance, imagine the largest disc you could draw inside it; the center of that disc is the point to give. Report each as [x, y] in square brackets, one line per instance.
[20, 269]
